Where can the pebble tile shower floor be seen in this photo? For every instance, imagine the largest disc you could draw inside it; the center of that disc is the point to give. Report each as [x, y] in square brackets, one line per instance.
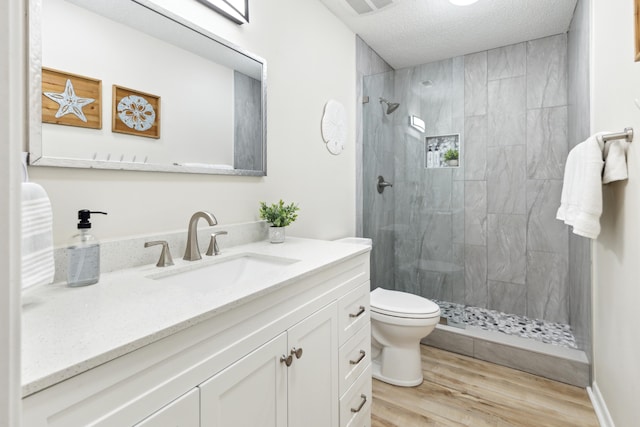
[511, 324]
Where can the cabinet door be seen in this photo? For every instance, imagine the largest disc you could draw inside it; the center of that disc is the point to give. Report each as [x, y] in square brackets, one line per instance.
[313, 377]
[251, 392]
[182, 412]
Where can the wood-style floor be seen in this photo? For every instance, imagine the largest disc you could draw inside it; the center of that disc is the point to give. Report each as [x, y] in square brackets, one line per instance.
[462, 391]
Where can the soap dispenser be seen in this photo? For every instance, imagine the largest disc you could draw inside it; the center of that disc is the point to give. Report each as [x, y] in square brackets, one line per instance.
[83, 253]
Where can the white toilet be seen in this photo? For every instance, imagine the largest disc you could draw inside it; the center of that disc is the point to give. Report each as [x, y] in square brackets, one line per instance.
[399, 321]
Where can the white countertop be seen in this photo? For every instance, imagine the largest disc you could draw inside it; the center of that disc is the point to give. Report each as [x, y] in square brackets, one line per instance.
[67, 331]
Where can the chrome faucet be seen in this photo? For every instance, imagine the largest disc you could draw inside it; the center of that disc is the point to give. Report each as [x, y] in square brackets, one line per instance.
[192, 251]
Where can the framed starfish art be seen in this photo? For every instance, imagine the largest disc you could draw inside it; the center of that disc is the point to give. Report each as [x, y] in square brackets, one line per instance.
[135, 113]
[70, 99]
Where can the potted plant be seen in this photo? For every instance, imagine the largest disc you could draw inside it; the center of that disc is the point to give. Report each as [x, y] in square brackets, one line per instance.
[451, 157]
[279, 216]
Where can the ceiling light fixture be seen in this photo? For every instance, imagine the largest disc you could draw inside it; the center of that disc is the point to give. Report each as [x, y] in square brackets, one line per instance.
[462, 2]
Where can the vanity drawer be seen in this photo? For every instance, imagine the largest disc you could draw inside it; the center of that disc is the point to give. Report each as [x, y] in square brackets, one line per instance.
[355, 405]
[353, 312]
[182, 412]
[354, 357]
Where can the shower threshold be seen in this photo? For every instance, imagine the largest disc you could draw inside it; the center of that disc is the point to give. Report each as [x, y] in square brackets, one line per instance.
[541, 348]
[461, 316]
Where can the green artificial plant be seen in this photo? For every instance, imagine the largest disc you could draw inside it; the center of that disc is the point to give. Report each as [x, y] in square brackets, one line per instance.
[279, 214]
[451, 154]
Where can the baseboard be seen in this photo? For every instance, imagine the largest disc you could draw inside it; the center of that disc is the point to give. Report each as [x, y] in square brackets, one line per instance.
[599, 405]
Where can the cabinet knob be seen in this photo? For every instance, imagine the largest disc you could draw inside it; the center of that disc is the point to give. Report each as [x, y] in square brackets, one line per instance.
[359, 408]
[360, 311]
[297, 352]
[287, 360]
[359, 359]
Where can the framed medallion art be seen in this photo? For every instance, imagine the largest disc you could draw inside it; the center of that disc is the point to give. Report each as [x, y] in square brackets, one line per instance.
[71, 100]
[135, 113]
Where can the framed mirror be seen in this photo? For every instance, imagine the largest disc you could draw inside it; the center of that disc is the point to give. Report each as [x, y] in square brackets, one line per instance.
[125, 84]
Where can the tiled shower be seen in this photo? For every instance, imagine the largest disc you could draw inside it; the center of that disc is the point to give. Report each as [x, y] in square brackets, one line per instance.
[482, 234]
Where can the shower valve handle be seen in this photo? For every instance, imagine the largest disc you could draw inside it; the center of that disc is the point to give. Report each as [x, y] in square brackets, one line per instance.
[382, 184]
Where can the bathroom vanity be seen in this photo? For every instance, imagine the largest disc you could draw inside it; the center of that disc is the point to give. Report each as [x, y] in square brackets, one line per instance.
[271, 335]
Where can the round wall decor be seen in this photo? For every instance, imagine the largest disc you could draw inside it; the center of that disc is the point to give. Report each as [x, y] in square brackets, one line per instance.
[334, 126]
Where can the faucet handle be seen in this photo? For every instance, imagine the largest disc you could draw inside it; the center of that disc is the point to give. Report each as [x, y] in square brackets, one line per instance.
[165, 256]
[213, 243]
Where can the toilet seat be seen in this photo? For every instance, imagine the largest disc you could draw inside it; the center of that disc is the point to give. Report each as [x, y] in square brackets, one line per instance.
[401, 304]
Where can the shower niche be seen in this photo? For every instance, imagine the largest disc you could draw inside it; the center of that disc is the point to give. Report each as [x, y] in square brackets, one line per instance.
[442, 151]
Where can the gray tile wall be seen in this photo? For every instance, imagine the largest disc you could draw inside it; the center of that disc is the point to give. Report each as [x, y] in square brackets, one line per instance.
[579, 130]
[484, 234]
[430, 204]
[517, 144]
[247, 154]
[378, 160]
[368, 62]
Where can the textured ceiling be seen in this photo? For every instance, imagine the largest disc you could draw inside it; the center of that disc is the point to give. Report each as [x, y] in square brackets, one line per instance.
[412, 32]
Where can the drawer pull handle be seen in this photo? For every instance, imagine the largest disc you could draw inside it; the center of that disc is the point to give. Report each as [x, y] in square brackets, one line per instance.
[359, 408]
[287, 360]
[362, 355]
[360, 311]
[297, 352]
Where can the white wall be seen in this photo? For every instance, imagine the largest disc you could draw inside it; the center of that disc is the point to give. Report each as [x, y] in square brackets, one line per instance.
[615, 84]
[310, 58]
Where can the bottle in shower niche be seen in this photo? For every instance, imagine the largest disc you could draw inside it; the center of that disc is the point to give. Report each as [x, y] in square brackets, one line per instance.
[429, 157]
[83, 253]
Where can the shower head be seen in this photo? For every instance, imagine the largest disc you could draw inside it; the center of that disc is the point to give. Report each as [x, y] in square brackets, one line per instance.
[391, 106]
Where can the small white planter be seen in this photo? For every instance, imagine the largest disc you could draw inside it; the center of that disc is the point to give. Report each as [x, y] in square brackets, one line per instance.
[276, 234]
[452, 162]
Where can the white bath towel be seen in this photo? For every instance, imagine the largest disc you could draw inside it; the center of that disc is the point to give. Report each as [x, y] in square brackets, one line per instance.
[615, 161]
[581, 200]
[37, 236]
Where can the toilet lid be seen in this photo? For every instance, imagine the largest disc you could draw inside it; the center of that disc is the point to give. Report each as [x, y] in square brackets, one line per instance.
[402, 304]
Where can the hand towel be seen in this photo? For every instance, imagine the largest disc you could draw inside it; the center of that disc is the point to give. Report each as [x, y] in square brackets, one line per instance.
[37, 236]
[581, 200]
[615, 161]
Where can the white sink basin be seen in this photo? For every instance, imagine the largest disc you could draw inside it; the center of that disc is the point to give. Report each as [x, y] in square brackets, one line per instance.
[231, 270]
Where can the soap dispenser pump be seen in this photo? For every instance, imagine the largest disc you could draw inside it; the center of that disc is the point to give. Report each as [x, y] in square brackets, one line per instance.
[83, 253]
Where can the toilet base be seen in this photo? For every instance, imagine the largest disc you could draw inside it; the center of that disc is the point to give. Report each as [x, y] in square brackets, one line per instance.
[377, 374]
[404, 367]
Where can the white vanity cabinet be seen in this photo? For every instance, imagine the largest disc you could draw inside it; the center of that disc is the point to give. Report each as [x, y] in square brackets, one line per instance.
[354, 358]
[251, 392]
[183, 412]
[312, 378]
[290, 381]
[229, 369]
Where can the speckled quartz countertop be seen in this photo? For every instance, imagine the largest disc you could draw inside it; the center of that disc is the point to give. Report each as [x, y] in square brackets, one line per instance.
[67, 331]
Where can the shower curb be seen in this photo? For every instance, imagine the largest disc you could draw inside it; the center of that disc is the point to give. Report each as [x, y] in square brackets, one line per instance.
[558, 363]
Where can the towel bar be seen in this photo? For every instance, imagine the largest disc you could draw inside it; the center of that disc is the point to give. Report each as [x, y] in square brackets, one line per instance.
[627, 134]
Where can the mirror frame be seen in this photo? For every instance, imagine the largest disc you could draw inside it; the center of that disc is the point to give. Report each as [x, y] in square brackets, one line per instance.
[36, 157]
